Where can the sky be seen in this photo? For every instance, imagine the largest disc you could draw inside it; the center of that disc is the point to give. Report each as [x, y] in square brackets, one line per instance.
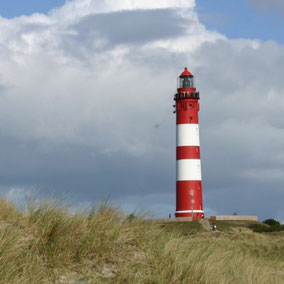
[86, 95]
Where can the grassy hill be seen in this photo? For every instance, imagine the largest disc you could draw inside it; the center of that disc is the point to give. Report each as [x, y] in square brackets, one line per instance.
[48, 244]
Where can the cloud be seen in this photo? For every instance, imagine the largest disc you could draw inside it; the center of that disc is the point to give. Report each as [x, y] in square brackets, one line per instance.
[18, 195]
[215, 19]
[128, 27]
[274, 5]
[84, 88]
[80, 8]
[241, 124]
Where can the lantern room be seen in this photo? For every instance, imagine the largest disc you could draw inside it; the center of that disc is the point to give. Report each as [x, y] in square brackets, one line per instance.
[186, 79]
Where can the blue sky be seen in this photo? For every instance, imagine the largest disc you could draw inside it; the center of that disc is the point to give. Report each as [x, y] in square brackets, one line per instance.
[15, 8]
[242, 19]
[86, 95]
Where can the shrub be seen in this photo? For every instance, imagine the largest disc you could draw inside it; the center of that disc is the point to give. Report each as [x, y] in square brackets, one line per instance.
[271, 222]
[259, 228]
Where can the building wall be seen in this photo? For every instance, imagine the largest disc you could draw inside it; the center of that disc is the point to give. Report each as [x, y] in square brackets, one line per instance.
[233, 218]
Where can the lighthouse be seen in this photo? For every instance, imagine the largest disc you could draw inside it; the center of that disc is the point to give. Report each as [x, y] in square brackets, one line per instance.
[188, 165]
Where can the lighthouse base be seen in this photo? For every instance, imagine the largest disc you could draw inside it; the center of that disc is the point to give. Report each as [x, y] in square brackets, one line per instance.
[198, 214]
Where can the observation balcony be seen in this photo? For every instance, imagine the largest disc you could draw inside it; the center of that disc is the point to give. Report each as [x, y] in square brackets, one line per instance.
[187, 95]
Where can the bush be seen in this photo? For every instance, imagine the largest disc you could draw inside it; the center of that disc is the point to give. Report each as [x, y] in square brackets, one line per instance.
[271, 222]
[259, 228]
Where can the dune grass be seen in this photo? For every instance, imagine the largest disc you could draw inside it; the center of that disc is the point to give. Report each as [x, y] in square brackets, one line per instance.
[48, 244]
[228, 226]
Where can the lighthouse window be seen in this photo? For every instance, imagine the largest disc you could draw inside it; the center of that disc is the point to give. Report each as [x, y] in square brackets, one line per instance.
[199, 186]
[186, 82]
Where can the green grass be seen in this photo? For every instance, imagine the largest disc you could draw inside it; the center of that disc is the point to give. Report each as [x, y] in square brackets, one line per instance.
[182, 228]
[229, 226]
[48, 244]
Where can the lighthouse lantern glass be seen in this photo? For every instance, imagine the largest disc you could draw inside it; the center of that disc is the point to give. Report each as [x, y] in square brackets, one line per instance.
[186, 82]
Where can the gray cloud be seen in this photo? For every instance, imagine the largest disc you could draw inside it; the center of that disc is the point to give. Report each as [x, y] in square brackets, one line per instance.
[103, 32]
[241, 102]
[129, 26]
[79, 119]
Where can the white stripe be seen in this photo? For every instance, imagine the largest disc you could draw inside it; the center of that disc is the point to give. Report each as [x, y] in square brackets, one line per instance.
[188, 169]
[188, 135]
[189, 211]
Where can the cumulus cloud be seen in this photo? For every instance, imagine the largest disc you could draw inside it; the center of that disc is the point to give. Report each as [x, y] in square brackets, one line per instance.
[86, 106]
[79, 8]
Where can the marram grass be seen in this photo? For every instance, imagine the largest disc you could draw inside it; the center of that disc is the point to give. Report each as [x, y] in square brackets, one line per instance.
[48, 244]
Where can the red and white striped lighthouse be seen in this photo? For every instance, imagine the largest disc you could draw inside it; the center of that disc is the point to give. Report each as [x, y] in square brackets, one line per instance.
[188, 170]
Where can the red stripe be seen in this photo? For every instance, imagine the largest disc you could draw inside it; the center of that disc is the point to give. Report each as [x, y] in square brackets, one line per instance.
[187, 111]
[188, 152]
[183, 197]
[186, 118]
